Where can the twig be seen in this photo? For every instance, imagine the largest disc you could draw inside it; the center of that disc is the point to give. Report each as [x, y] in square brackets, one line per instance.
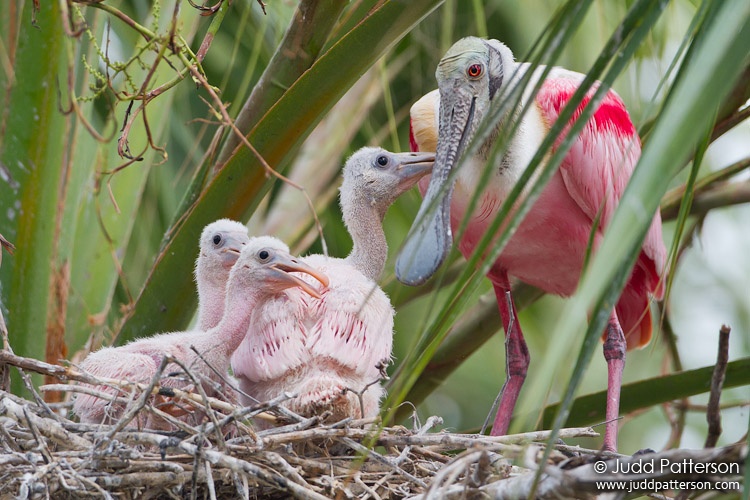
[47, 427]
[583, 482]
[198, 77]
[278, 461]
[237, 465]
[41, 444]
[7, 352]
[458, 441]
[140, 403]
[381, 459]
[6, 245]
[720, 194]
[70, 373]
[199, 386]
[713, 414]
[450, 473]
[4, 367]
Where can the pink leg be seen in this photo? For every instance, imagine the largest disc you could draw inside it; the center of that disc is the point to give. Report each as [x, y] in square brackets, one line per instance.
[516, 356]
[614, 352]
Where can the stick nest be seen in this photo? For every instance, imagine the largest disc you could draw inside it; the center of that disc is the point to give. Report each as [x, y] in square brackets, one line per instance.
[46, 455]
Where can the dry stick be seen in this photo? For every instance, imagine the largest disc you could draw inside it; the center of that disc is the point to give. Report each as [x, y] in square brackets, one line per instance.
[450, 473]
[440, 441]
[584, 481]
[197, 384]
[5, 245]
[359, 448]
[237, 465]
[229, 383]
[282, 465]
[456, 441]
[9, 441]
[429, 424]
[210, 481]
[258, 410]
[369, 491]
[7, 352]
[713, 415]
[41, 444]
[140, 403]
[176, 422]
[94, 484]
[90, 391]
[194, 476]
[301, 425]
[125, 401]
[140, 480]
[70, 373]
[47, 427]
[4, 367]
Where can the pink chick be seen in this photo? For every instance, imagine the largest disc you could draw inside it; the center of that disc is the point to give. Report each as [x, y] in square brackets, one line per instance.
[326, 351]
[261, 273]
[220, 246]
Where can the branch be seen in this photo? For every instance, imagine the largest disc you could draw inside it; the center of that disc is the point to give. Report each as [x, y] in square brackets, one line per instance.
[670, 203]
[672, 469]
[713, 414]
[47, 427]
[70, 373]
[7, 245]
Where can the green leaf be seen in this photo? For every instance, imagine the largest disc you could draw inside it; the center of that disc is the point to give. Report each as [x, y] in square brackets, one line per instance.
[32, 158]
[589, 409]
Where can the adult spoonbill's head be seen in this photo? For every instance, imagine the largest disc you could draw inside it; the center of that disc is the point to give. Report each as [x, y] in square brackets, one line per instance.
[377, 177]
[469, 76]
[267, 260]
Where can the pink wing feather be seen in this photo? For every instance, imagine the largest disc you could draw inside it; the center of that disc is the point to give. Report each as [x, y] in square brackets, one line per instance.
[595, 172]
[317, 347]
[354, 326]
[276, 344]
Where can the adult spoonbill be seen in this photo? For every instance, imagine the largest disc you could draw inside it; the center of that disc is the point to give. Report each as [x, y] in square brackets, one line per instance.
[330, 350]
[261, 273]
[548, 248]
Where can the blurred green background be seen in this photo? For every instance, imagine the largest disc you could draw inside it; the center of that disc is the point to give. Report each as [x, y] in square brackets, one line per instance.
[93, 228]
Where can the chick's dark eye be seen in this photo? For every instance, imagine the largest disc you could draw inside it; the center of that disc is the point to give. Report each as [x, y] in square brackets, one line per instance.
[382, 160]
[474, 70]
[217, 239]
[264, 255]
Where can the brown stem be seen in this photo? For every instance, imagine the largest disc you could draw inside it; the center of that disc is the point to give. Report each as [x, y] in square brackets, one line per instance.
[7, 245]
[713, 415]
[307, 33]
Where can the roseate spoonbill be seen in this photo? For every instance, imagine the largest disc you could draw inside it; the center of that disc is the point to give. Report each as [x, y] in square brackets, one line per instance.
[325, 349]
[261, 273]
[548, 248]
[220, 246]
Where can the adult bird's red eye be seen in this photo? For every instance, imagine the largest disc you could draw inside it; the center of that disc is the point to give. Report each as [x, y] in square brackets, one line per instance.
[474, 70]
